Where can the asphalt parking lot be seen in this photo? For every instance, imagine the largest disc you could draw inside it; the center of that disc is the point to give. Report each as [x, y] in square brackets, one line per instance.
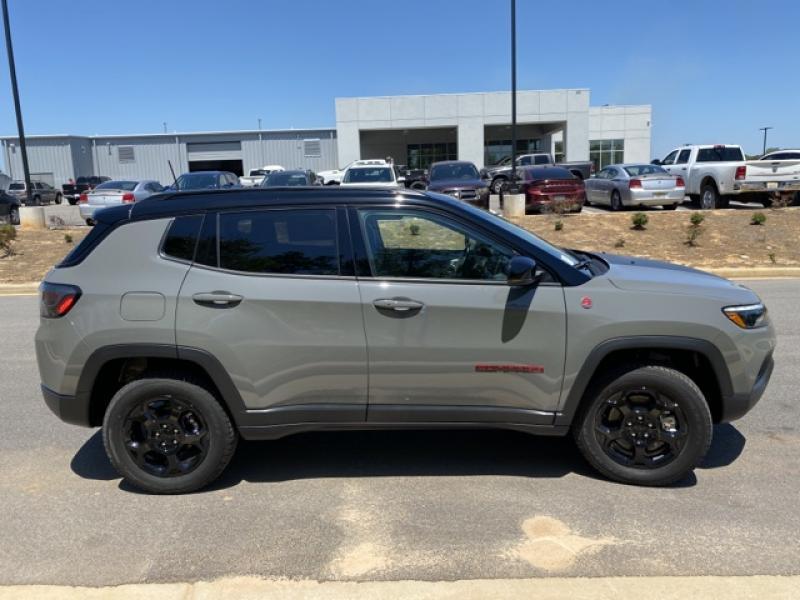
[395, 505]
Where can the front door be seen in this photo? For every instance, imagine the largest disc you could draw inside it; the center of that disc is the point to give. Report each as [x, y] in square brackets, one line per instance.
[445, 332]
[276, 307]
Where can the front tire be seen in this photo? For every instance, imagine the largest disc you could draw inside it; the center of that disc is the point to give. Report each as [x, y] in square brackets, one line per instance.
[647, 425]
[58, 199]
[497, 184]
[168, 436]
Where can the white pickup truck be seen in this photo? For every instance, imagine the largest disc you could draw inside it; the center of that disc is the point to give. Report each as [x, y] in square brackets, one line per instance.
[256, 176]
[334, 176]
[716, 174]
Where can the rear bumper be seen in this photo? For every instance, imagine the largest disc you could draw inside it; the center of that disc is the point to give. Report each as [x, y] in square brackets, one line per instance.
[737, 405]
[87, 210]
[647, 197]
[67, 408]
[545, 203]
[767, 186]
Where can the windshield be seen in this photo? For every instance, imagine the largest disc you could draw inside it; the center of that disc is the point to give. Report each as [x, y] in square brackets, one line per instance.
[518, 231]
[127, 186]
[258, 172]
[637, 170]
[285, 178]
[454, 171]
[369, 175]
[16, 186]
[196, 181]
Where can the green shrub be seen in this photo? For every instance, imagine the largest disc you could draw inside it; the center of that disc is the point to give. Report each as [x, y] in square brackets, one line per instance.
[8, 233]
[697, 218]
[414, 229]
[758, 218]
[772, 258]
[620, 243]
[639, 220]
[67, 238]
[558, 225]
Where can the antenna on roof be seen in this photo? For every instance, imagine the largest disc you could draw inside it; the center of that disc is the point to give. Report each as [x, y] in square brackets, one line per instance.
[175, 179]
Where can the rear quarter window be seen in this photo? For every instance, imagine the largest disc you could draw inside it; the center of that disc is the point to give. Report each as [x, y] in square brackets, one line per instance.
[181, 239]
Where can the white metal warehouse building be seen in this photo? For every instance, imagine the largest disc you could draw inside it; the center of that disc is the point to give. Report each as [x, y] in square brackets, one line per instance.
[413, 130]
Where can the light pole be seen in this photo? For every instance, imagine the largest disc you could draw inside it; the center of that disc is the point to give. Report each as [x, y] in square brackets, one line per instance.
[12, 70]
[765, 130]
[513, 189]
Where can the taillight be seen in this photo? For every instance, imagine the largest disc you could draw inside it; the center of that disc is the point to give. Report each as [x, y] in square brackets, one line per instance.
[741, 172]
[127, 198]
[57, 299]
[84, 198]
[635, 184]
[680, 182]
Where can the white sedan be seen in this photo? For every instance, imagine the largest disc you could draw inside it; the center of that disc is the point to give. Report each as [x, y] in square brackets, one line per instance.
[372, 176]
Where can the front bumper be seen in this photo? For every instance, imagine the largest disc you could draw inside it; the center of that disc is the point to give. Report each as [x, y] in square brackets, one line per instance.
[69, 409]
[737, 405]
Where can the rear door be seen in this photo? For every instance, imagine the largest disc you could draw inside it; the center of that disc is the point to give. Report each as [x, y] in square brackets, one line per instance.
[272, 296]
[446, 336]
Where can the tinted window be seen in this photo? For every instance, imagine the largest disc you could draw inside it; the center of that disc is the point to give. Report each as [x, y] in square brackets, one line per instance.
[127, 186]
[454, 171]
[369, 175]
[182, 237]
[719, 154]
[637, 170]
[541, 160]
[670, 158]
[547, 173]
[415, 244]
[782, 156]
[207, 244]
[299, 242]
[196, 181]
[683, 157]
[290, 178]
[16, 186]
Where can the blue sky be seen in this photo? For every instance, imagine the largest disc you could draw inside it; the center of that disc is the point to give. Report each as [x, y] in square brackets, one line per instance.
[712, 70]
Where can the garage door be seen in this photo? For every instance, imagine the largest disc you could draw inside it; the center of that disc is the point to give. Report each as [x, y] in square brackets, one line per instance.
[214, 151]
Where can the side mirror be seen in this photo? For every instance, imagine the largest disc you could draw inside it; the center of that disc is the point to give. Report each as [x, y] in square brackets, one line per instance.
[521, 271]
[655, 161]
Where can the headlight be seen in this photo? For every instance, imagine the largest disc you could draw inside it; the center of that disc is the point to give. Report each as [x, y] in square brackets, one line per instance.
[748, 316]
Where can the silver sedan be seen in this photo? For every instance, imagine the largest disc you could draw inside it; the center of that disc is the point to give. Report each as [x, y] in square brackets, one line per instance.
[619, 186]
[114, 192]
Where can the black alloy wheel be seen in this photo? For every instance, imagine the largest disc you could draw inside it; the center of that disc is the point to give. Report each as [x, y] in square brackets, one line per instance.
[641, 428]
[166, 436]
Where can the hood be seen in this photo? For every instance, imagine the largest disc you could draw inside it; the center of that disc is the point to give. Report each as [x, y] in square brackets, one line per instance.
[456, 184]
[646, 275]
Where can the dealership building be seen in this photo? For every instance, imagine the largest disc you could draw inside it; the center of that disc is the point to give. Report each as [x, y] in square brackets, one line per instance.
[413, 130]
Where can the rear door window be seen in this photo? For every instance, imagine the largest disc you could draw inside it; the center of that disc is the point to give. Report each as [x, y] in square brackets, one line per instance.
[181, 237]
[280, 241]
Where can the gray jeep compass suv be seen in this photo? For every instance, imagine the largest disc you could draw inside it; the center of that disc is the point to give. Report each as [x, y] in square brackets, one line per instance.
[189, 319]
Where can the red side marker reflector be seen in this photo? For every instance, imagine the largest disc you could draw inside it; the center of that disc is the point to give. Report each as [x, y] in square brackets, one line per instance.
[586, 302]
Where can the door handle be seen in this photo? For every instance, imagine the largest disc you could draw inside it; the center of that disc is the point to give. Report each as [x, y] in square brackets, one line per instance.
[404, 305]
[217, 299]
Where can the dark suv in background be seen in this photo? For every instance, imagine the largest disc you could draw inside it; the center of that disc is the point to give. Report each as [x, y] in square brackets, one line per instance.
[461, 180]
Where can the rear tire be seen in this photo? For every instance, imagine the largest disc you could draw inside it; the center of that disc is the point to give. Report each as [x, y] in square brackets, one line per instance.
[58, 199]
[709, 197]
[497, 184]
[167, 436]
[72, 201]
[644, 425]
[616, 201]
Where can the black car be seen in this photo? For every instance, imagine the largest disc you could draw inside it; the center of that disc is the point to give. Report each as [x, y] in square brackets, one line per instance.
[205, 180]
[290, 179]
[416, 179]
[9, 208]
[461, 180]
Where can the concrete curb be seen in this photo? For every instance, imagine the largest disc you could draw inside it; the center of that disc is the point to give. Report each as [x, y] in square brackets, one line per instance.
[19, 289]
[600, 588]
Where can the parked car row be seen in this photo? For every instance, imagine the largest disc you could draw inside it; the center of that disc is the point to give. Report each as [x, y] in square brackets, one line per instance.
[41, 192]
[716, 174]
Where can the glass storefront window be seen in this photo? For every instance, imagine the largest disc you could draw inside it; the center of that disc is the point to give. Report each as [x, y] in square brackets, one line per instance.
[606, 152]
[421, 156]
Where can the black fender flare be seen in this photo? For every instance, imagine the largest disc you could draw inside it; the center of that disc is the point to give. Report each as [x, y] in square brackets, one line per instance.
[644, 342]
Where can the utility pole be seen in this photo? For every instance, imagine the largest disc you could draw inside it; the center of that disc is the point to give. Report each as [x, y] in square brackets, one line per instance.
[12, 70]
[165, 126]
[259, 123]
[765, 130]
[513, 189]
